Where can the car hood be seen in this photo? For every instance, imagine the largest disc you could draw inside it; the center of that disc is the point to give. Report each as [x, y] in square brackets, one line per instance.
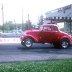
[31, 31]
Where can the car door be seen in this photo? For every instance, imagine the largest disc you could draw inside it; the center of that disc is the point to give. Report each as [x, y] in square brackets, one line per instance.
[49, 34]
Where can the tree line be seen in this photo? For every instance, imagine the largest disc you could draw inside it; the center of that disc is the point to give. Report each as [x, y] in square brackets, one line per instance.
[9, 26]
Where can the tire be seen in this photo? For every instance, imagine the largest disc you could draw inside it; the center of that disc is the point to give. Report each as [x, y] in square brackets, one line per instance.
[64, 43]
[27, 42]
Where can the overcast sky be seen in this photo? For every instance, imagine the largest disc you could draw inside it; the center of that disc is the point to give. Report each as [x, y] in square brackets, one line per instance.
[13, 8]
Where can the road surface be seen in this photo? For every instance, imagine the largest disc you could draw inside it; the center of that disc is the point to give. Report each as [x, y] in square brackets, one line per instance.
[17, 52]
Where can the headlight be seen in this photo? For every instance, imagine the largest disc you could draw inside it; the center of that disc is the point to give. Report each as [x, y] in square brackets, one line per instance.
[24, 33]
[22, 36]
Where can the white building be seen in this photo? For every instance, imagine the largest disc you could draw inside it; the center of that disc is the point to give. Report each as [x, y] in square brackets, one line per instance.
[63, 14]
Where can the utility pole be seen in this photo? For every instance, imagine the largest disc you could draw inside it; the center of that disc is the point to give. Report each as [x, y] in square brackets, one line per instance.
[28, 16]
[15, 24]
[2, 18]
[28, 21]
[22, 18]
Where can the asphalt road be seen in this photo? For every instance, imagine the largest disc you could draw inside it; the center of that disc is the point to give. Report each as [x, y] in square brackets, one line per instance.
[17, 52]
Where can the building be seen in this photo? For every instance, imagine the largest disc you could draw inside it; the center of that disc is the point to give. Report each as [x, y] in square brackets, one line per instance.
[63, 14]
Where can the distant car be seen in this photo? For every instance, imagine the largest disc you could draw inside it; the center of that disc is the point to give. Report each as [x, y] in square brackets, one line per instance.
[17, 31]
[14, 33]
[48, 33]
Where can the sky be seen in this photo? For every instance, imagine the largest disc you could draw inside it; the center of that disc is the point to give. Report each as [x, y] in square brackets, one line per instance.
[13, 9]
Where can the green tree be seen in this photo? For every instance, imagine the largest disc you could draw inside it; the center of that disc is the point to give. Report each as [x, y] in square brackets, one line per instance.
[28, 25]
[9, 26]
[0, 27]
[41, 20]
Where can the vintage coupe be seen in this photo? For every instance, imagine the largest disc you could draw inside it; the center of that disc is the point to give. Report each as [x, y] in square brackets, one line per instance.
[47, 33]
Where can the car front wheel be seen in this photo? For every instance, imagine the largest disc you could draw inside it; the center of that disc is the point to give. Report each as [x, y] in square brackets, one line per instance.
[27, 43]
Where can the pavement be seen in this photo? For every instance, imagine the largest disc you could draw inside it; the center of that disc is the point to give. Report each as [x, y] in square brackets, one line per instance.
[22, 57]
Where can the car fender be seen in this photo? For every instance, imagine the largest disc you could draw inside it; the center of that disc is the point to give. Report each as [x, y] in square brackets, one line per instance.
[35, 39]
[65, 37]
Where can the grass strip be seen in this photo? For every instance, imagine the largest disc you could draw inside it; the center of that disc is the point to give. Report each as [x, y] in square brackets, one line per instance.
[38, 66]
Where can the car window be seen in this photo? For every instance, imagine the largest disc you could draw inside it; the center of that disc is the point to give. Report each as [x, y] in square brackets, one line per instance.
[41, 28]
[54, 28]
[46, 28]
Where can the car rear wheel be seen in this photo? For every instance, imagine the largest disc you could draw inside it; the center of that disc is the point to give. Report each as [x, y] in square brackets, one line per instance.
[64, 44]
[27, 43]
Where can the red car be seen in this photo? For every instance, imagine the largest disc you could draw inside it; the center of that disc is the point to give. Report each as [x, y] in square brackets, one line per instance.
[47, 33]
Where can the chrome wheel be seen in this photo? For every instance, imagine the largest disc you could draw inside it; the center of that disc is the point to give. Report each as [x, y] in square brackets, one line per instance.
[64, 44]
[28, 42]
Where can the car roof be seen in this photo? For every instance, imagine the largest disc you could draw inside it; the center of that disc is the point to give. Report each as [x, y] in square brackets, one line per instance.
[49, 25]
